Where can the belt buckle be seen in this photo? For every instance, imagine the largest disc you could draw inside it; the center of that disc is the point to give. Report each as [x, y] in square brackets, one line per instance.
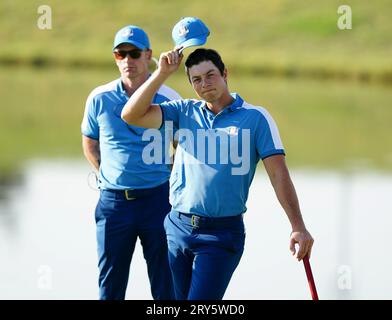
[195, 221]
[127, 196]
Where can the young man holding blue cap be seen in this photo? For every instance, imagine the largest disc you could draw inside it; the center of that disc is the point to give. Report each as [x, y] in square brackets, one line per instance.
[133, 195]
[190, 31]
[209, 185]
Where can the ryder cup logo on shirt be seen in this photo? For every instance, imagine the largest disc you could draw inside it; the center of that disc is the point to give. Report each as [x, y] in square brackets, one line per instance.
[223, 146]
[233, 131]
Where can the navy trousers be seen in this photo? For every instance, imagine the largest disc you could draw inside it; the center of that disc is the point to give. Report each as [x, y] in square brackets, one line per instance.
[203, 253]
[120, 219]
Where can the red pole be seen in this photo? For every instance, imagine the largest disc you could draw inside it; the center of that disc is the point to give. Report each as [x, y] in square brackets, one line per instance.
[309, 275]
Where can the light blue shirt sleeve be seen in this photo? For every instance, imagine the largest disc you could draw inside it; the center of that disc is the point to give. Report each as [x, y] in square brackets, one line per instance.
[267, 136]
[171, 111]
[90, 127]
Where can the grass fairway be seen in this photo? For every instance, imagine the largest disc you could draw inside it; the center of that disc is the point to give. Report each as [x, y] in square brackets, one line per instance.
[280, 37]
[274, 50]
[323, 124]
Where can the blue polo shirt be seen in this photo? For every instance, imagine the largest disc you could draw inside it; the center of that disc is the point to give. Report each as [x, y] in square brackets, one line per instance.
[121, 145]
[217, 155]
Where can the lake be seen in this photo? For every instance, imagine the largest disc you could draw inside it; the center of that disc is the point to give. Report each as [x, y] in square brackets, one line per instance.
[47, 237]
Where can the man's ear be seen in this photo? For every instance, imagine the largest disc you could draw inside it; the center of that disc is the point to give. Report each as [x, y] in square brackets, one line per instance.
[117, 62]
[225, 73]
[149, 54]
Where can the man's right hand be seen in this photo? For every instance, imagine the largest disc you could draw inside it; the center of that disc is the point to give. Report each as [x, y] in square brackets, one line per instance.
[169, 61]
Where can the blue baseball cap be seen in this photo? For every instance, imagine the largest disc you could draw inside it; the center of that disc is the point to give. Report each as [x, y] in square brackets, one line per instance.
[133, 35]
[190, 31]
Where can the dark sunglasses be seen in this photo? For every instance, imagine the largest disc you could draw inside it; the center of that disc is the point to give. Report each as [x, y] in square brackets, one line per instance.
[121, 54]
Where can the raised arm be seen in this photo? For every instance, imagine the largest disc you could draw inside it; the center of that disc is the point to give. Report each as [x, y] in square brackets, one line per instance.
[138, 110]
[285, 192]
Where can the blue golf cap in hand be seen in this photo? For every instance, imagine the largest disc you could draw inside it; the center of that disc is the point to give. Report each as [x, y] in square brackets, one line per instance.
[190, 31]
[133, 35]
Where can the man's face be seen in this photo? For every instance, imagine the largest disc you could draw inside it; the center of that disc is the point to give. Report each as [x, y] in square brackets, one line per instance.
[207, 81]
[132, 61]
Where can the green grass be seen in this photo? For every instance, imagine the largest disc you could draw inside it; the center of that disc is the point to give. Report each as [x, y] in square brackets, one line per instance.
[324, 124]
[281, 37]
[327, 124]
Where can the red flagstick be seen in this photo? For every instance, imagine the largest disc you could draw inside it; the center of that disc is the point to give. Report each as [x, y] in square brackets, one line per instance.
[309, 275]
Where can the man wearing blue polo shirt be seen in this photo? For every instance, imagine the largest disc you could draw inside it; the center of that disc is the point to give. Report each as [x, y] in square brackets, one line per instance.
[220, 141]
[134, 196]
